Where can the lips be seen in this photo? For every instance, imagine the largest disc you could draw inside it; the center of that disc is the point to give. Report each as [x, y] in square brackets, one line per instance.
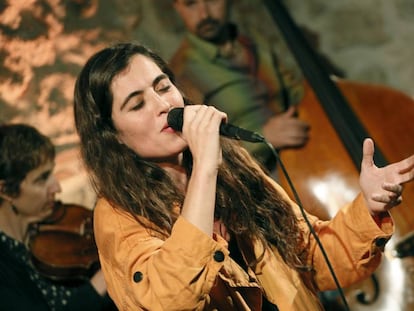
[167, 128]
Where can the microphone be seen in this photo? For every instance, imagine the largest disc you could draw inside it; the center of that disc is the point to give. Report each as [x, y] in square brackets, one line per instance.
[175, 120]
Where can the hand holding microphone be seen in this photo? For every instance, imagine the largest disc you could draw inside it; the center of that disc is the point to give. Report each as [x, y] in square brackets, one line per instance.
[175, 120]
[200, 127]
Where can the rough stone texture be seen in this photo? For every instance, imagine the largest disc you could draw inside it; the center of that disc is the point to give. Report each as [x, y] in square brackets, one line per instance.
[370, 39]
[44, 43]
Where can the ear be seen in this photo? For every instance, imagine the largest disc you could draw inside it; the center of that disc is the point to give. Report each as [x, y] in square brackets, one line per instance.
[3, 195]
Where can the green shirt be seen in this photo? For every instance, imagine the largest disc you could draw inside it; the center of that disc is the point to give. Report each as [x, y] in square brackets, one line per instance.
[250, 93]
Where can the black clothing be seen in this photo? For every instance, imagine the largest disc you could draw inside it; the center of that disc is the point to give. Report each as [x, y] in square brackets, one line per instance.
[23, 288]
[238, 257]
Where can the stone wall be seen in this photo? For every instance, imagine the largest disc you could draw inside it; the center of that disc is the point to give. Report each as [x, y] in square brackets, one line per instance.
[372, 40]
[44, 43]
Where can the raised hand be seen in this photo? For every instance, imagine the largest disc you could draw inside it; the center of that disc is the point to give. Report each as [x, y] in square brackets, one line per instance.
[383, 187]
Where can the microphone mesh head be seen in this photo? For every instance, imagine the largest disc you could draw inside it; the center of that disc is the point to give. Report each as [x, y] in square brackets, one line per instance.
[175, 118]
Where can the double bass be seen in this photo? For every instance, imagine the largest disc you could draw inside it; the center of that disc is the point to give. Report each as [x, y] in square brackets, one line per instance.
[325, 172]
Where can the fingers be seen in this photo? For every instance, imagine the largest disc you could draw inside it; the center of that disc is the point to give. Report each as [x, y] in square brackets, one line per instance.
[201, 131]
[283, 130]
[368, 153]
[391, 197]
[202, 117]
[388, 201]
[394, 188]
[290, 112]
[406, 170]
[401, 172]
[408, 164]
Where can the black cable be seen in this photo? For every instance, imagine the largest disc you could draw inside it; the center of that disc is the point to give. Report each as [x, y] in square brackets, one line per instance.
[302, 210]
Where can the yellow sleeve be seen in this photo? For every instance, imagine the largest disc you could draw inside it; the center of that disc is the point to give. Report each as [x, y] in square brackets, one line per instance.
[352, 240]
[145, 271]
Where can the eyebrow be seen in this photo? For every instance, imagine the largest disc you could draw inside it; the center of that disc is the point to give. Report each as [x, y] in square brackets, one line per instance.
[138, 92]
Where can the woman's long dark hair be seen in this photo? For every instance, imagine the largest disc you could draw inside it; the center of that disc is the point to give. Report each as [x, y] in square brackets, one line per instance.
[246, 202]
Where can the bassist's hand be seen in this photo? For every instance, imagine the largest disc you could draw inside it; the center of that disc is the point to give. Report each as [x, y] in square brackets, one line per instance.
[285, 130]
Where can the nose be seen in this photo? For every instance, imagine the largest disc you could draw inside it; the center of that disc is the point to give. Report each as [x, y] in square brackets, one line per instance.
[54, 186]
[160, 104]
[203, 10]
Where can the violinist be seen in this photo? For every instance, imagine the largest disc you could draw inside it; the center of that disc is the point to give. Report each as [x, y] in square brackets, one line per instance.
[27, 194]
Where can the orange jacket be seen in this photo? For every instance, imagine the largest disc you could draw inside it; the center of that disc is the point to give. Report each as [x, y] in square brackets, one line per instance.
[146, 271]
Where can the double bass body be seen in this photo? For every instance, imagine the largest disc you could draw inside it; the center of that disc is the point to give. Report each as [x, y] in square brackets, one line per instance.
[324, 172]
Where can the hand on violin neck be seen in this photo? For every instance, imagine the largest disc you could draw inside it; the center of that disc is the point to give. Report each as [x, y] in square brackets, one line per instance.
[98, 282]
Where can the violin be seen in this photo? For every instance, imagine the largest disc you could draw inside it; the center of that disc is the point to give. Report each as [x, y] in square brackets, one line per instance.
[62, 246]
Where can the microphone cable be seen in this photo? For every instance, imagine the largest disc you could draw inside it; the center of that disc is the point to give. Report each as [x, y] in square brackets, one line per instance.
[302, 210]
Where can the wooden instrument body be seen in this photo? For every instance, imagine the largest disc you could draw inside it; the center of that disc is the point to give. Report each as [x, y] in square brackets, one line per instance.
[323, 172]
[63, 246]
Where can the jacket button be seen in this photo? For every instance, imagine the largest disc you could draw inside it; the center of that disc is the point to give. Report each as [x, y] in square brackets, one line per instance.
[380, 242]
[219, 256]
[137, 276]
